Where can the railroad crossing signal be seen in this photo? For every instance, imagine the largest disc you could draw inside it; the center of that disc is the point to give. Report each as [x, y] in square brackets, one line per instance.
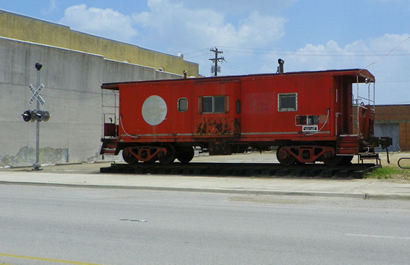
[36, 94]
[37, 114]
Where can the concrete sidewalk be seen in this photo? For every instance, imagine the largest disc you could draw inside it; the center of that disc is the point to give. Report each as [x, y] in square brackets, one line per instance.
[87, 175]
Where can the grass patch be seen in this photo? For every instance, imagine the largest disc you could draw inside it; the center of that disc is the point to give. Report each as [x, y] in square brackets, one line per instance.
[387, 173]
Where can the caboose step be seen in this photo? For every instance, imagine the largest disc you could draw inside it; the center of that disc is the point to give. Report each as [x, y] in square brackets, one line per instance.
[107, 151]
[369, 156]
[108, 147]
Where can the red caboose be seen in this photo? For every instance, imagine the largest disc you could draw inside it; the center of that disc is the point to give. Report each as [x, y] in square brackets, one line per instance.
[307, 116]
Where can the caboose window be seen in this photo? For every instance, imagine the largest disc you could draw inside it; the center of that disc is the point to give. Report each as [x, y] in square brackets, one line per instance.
[238, 106]
[207, 104]
[287, 102]
[182, 104]
[214, 104]
[219, 104]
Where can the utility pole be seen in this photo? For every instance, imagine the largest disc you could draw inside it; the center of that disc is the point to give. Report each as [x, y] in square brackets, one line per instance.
[215, 60]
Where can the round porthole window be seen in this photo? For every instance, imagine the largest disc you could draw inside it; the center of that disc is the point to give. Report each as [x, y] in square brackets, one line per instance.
[154, 110]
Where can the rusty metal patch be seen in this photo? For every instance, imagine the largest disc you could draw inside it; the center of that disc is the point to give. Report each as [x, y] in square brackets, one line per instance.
[218, 126]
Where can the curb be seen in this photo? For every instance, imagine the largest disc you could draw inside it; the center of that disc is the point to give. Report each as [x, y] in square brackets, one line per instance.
[364, 196]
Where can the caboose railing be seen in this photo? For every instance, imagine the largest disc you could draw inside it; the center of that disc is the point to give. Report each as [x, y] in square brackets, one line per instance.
[364, 101]
[110, 112]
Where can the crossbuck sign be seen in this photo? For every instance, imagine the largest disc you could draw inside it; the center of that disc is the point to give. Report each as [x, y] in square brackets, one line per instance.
[36, 94]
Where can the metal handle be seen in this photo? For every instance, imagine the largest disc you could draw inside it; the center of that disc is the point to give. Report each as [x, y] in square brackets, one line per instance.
[403, 158]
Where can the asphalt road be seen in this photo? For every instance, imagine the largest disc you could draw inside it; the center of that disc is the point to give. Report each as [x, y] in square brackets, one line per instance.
[62, 225]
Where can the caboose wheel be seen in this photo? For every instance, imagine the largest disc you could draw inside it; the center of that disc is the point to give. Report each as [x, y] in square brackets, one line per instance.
[169, 157]
[185, 154]
[128, 157]
[284, 157]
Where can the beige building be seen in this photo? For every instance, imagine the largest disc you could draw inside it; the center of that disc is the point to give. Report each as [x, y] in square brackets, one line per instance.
[37, 31]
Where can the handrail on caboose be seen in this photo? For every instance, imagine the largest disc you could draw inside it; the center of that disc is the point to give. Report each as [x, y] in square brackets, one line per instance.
[109, 107]
[370, 99]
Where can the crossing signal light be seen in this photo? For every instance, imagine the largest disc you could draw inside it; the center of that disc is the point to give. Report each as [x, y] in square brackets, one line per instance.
[46, 115]
[42, 115]
[35, 115]
[26, 116]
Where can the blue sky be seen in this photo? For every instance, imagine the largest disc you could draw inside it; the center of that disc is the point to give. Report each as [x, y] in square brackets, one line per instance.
[307, 34]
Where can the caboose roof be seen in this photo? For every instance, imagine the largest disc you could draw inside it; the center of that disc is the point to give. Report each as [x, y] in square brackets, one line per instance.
[355, 75]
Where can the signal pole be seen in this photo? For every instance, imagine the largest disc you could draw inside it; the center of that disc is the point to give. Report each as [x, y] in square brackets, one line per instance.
[216, 60]
[36, 165]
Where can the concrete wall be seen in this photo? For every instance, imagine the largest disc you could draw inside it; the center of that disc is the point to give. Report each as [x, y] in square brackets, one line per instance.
[73, 97]
[38, 31]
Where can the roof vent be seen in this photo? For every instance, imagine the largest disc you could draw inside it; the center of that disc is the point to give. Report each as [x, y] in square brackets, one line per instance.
[280, 67]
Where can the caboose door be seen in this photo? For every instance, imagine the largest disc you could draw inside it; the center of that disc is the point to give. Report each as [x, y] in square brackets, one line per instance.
[218, 114]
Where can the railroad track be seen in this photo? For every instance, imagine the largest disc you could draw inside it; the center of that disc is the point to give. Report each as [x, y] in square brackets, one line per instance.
[243, 169]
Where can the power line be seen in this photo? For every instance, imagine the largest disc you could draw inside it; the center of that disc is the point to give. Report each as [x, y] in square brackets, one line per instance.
[375, 53]
[195, 51]
[391, 51]
[198, 54]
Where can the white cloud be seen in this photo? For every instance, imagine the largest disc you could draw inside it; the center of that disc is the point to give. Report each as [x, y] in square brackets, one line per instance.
[206, 27]
[102, 22]
[173, 26]
[258, 30]
[361, 53]
[387, 57]
[241, 7]
[170, 26]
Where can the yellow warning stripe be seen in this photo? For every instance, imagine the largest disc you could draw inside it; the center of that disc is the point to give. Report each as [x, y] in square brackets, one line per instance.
[44, 259]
